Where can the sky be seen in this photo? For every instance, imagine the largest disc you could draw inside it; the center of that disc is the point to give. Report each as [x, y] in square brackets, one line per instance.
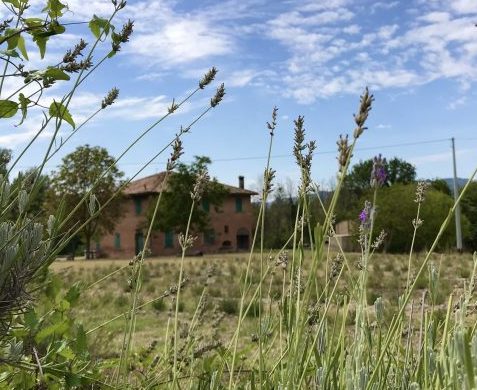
[310, 58]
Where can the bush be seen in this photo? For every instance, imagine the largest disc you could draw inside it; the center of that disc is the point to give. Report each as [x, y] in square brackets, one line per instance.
[229, 306]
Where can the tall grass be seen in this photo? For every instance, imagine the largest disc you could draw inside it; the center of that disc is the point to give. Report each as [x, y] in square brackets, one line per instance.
[304, 334]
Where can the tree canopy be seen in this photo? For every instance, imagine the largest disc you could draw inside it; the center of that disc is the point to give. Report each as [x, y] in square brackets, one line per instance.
[176, 202]
[396, 210]
[88, 168]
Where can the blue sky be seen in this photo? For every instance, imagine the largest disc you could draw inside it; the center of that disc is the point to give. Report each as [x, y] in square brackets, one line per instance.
[311, 58]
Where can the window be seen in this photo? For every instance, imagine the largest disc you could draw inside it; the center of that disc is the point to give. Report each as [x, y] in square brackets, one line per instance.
[117, 241]
[238, 205]
[138, 205]
[209, 237]
[169, 239]
[226, 229]
[205, 205]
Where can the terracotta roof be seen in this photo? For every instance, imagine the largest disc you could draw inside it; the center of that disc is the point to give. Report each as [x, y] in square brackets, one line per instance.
[154, 184]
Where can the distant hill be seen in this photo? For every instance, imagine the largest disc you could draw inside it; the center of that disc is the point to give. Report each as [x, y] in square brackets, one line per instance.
[460, 182]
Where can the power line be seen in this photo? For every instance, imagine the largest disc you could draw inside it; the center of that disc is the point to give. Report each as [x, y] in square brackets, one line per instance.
[289, 155]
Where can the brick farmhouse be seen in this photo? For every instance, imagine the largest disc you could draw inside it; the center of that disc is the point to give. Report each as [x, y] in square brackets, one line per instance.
[231, 226]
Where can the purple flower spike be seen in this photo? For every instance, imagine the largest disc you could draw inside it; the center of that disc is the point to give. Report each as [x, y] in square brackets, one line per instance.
[379, 173]
[363, 216]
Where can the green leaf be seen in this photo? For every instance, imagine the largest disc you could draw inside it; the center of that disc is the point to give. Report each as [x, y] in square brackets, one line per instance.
[41, 43]
[58, 110]
[80, 345]
[11, 53]
[8, 108]
[99, 25]
[22, 47]
[73, 294]
[72, 380]
[31, 319]
[57, 329]
[54, 8]
[24, 101]
[53, 288]
[13, 40]
[56, 74]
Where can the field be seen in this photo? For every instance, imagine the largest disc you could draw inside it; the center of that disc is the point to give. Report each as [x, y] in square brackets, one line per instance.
[220, 277]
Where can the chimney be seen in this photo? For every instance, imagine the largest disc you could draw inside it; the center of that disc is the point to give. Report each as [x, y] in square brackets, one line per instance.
[241, 182]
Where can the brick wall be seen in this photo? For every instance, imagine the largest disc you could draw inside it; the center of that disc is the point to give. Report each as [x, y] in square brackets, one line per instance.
[229, 224]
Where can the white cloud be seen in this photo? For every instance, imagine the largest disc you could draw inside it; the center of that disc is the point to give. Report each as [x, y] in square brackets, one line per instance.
[180, 42]
[461, 101]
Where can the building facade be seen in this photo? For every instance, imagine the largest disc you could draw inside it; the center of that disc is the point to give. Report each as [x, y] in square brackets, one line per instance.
[231, 227]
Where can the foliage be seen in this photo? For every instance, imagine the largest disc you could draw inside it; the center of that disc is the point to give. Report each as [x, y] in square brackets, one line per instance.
[280, 218]
[86, 168]
[397, 171]
[396, 210]
[441, 185]
[48, 346]
[469, 210]
[176, 202]
[358, 181]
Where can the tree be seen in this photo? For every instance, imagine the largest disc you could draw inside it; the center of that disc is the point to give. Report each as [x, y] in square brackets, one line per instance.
[176, 201]
[397, 171]
[396, 210]
[442, 186]
[75, 178]
[280, 217]
[469, 209]
[358, 182]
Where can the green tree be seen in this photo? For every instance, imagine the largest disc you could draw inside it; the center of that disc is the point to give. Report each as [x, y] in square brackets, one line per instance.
[176, 201]
[358, 182]
[469, 209]
[441, 185]
[396, 210]
[279, 218]
[75, 178]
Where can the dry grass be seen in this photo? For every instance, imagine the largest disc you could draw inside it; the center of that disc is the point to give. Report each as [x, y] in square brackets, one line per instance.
[221, 276]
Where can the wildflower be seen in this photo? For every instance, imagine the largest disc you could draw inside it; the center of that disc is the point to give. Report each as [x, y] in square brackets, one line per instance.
[364, 108]
[271, 126]
[199, 186]
[186, 242]
[122, 37]
[336, 266]
[71, 55]
[177, 151]
[110, 98]
[282, 260]
[421, 189]
[378, 173]
[344, 152]
[219, 95]
[379, 240]
[208, 77]
[268, 177]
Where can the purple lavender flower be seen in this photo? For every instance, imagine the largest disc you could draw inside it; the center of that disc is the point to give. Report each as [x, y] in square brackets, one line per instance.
[379, 173]
[363, 215]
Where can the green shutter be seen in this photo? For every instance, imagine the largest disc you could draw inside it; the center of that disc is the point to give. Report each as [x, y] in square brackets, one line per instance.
[209, 237]
[117, 241]
[169, 239]
[238, 205]
[138, 205]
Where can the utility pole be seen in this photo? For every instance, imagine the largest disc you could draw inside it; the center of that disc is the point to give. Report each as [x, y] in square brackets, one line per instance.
[458, 227]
